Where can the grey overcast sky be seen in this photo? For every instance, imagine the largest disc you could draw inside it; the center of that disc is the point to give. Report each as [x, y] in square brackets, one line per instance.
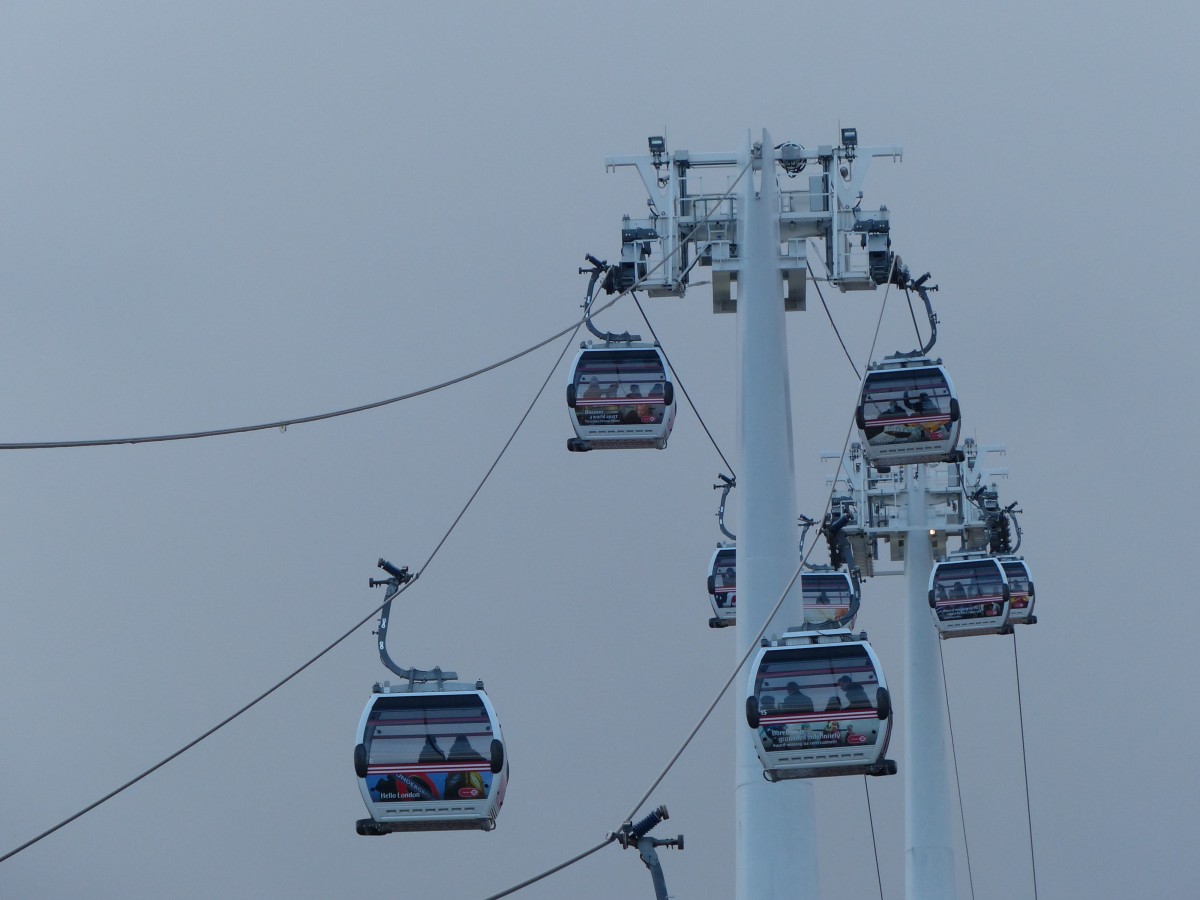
[233, 212]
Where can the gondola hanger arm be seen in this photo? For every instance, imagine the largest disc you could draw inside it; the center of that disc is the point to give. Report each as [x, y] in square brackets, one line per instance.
[400, 576]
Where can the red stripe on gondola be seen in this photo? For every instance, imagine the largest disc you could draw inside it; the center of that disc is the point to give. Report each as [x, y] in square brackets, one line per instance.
[833, 715]
[971, 601]
[424, 768]
[907, 420]
[622, 401]
[776, 672]
[453, 732]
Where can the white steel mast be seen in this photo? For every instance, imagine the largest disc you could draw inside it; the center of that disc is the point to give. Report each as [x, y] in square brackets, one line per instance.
[929, 834]
[776, 823]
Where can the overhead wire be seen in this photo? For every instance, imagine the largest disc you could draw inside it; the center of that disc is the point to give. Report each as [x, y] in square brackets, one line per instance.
[962, 816]
[758, 637]
[704, 718]
[687, 396]
[712, 210]
[874, 844]
[1025, 767]
[912, 312]
[279, 684]
[301, 420]
[573, 330]
[536, 878]
[192, 743]
[829, 315]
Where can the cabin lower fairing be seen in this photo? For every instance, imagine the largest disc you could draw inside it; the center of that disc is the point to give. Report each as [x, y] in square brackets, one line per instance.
[430, 760]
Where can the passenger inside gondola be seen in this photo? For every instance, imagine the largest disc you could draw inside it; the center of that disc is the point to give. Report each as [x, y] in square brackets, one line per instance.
[726, 582]
[431, 752]
[921, 405]
[856, 697]
[796, 700]
[462, 751]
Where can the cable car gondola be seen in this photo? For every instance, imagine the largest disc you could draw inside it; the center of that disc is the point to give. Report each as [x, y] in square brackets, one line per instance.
[1020, 591]
[969, 596]
[620, 397]
[722, 586]
[819, 705]
[430, 758]
[830, 600]
[908, 413]
[428, 754]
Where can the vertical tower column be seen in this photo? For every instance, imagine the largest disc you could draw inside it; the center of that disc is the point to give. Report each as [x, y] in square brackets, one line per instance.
[929, 842]
[775, 823]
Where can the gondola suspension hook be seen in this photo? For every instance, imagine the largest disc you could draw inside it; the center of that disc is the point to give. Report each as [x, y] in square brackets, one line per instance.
[599, 268]
[400, 576]
[903, 279]
[841, 551]
[727, 485]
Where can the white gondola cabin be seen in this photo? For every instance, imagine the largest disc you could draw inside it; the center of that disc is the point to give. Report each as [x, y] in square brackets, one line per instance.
[969, 596]
[908, 413]
[620, 398]
[722, 586]
[430, 759]
[1021, 595]
[829, 600]
[819, 706]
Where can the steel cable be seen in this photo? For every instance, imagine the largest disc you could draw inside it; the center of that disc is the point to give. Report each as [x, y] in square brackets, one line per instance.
[279, 684]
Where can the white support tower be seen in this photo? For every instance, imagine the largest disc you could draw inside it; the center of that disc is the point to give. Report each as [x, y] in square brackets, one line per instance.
[929, 845]
[915, 509]
[754, 237]
[775, 823]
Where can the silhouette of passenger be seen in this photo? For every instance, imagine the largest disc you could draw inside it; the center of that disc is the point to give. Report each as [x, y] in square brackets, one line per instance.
[462, 751]
[921, 405]
[431, 752]
[796, 700]
[856, 697]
